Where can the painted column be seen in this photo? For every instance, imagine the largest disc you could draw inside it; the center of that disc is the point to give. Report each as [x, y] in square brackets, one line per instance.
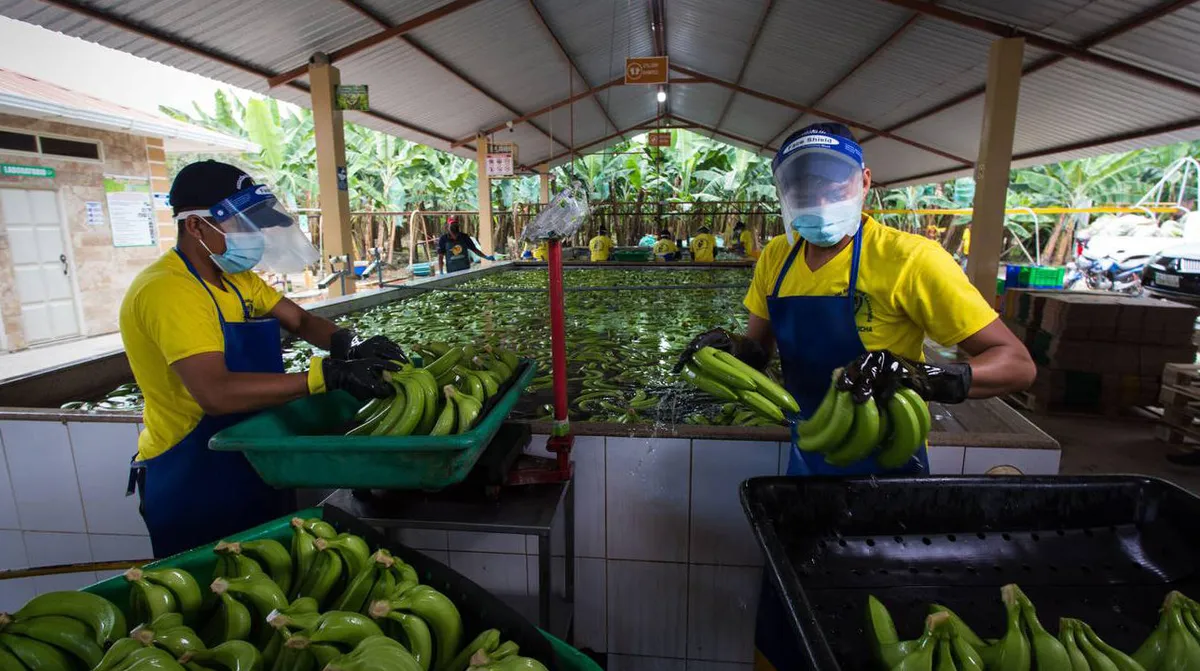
[485, 196]
[331, 166]
[995, 158]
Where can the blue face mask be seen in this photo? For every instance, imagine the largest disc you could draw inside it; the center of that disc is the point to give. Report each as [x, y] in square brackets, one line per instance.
[827, 225]
[243, 251]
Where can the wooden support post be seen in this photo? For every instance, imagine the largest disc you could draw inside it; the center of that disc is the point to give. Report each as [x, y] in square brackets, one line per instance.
[995, 157]
[544, 178]
[331, 166]
[485, 197]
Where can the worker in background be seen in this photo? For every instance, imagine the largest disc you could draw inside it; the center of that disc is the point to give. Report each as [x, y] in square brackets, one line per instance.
[743, 241]
[600, 246]
[542, 251]
[665, 248]
[842, 291]
[703, 245]
[201, 332]
[455, 247]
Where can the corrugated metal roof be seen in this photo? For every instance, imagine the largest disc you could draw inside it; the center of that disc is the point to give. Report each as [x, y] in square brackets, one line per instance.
[804, 47]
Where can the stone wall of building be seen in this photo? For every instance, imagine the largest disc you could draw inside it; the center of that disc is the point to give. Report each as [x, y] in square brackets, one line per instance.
[103, 271]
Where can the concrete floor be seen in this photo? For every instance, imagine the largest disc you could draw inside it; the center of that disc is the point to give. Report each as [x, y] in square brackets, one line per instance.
[1093, 445]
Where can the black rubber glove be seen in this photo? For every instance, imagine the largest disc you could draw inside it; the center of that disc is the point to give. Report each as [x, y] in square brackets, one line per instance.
[345, 344]
[749, 351]
[880, 373]
[363, 378]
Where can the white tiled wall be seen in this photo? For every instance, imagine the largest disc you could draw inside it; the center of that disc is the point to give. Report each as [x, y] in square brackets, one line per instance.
[62, 501]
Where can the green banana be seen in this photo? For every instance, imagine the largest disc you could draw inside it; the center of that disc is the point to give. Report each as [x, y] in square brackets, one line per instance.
[444, 425]
[922, 408]
[9, 661]
[1119, 659]
[922, 655]
[148, 659]
[368, 425]
[230, 622]
[319, 527]
[967, 657]
[343, 629]
[369, 409]
[414, 408]
[863, 436]
[707, 384]
[304, 550]
[105, 619]
[473, 386]
[1150, 653]
[706, 360]
[763, 384]
[257, 591]
[36, 655]
[445, 362]
[147, 601]
[820, 417]
[1066, 636]
[230, 655]
[486, 642]
[1183, 651]
[429, 408]
[960, 627]
[372, 655]
[65, 633]
[433, 607]
[505, 649]
[396, 408]
[234, 565]
[1096, 660]
[1048, 653]
[881, 630]
[273, 557]
[468, 409]
[120, 649]
[167, 621]
[510, 359]
[1010, 653]
[353, 550]
[175, 640]
[326, 569]
[906, 436]
[300, 615]
[761, 405]
[354, 597]
[513, 664]
[180, 583]
[835, 429]
[416, 636]
[944, 655]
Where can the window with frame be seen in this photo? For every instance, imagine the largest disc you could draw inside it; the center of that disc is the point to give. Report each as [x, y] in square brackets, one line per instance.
[50, 145]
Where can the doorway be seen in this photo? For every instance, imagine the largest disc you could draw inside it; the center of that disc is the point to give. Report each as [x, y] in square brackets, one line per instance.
[41, 265]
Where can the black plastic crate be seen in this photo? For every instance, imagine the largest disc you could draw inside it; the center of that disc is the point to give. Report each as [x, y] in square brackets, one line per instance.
[1103, 549]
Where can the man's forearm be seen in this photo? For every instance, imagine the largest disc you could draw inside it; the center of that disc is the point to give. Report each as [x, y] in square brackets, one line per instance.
[1000, 370]
[247, 392]
[316, 330]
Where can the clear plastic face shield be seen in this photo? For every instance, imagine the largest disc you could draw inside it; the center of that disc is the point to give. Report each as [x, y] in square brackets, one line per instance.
[259, 233]
[819, 178]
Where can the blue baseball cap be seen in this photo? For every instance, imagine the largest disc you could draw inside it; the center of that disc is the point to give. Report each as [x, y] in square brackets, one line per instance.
[833, 142]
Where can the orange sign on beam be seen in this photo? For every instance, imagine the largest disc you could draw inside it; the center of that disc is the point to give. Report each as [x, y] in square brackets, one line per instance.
[646, 70]
[659, 139]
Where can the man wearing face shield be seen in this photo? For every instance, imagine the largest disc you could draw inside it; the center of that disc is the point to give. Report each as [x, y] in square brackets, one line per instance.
[842, 291]
[201, 332]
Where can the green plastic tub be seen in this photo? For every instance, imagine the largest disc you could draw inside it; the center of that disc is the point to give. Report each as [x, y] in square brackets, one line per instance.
[302, 444]
[480, 610]
[632, 255]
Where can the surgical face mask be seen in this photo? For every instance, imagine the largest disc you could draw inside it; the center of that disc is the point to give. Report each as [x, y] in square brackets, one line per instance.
[243, 250]
[826, 225]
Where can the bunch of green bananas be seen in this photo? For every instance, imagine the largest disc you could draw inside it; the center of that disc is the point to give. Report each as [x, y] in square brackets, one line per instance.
[1174, 643]
[59, 630]
[156, 592]
[846, 432]
[726, 377]
[268, 556]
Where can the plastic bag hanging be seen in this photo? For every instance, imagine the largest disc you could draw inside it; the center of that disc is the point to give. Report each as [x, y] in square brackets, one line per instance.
[562, 217]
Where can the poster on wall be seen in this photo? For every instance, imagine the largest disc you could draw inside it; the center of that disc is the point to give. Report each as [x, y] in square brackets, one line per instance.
[131, 211]
[94, 213]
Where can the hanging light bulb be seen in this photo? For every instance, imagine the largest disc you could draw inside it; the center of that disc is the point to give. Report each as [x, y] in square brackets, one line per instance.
[662, 96]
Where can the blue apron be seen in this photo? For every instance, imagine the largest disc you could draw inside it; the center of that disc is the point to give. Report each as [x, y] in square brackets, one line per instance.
[456, 261]
[815, 335]
[193, 496]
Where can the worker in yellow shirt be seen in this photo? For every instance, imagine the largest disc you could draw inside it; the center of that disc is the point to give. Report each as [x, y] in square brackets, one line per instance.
[743, 241]
[703, 245]
[542, 251]
[600, 246]
[842, 291]
[201, 332]
[665, 248]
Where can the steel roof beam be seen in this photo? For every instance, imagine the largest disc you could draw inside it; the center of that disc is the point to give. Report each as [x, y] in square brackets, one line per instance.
[658, 35]
[758, 28]
[606, 138]
[376, 39]
[1120, 28]
[537, 113]
[845, 77]
[446, 66]
[1033, 39]
[812, 110]
[712, 129]
[184, 45]
[571, 62]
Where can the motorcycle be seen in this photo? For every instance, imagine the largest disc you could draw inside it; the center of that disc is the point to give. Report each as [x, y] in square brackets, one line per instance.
[1107, 273]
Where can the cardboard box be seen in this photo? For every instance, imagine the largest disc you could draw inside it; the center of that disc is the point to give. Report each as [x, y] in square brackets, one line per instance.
[1154, 357]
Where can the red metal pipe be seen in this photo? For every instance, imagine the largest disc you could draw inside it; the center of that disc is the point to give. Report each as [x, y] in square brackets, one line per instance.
[558, 337]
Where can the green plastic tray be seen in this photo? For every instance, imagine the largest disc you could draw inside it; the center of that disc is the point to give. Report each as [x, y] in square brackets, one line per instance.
[479, 608]
[301, 444]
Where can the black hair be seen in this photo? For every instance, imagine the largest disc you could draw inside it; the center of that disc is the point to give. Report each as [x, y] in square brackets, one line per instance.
[603, 232]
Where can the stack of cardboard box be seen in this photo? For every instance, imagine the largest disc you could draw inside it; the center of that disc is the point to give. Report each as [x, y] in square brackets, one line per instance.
[1098, 352]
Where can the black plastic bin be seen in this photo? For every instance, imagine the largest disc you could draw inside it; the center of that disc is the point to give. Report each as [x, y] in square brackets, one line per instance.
[1104, 549]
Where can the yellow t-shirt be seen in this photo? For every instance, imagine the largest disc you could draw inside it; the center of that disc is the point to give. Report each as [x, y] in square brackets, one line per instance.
[541, 252]
[746, 238]
[167, 316]
[663, 247]
[966, 242]
[703, 246]
[600, 246]
[909, 286]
